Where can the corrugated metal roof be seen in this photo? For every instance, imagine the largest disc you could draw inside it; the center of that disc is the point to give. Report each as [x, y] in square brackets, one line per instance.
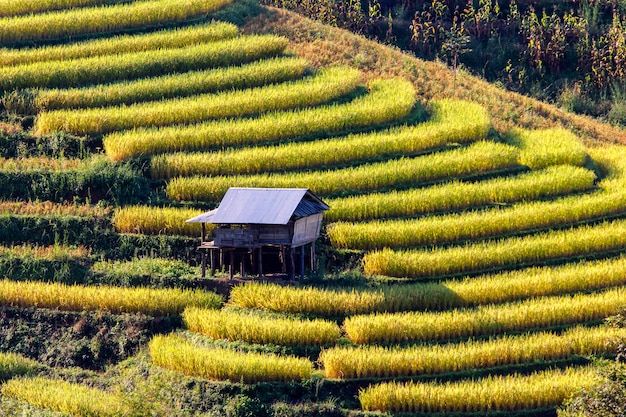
[263, 206]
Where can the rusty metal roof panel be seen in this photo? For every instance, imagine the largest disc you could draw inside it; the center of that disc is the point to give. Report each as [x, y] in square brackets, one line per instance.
[265, 206]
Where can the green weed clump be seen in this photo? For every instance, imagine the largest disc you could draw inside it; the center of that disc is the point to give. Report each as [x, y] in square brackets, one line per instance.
[178, 354]
[327, 85]
[12, 365]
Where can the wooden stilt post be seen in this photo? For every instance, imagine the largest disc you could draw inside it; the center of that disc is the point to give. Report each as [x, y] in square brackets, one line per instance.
[231, 269]
[242, 268]
[292, 262]
[313, 260]
[212, 262]
[283, 259]
[203, 263]
[302, 262]
[260, 262]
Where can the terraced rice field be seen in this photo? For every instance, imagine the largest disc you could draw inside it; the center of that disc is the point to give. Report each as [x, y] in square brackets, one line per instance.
[483, 252]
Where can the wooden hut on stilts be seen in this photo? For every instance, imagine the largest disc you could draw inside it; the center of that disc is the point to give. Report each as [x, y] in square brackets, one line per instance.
[251, 220]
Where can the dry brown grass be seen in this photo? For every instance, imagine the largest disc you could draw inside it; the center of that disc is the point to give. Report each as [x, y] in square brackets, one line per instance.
[324, 46]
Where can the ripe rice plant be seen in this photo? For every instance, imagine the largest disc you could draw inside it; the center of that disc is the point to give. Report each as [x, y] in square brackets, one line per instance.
[383, 362]
[255, 74]
[108, 68]
[12, 365]
[485, 320]
[41, 163]
[49, 208]
[56, 252]
[549, 182]
[457, 228]
[177, 38]
[237, 326]
[66, 397]
[576, 242]
[480, 157]
[488, 289]
[155, 302]
[543, 148]
[328, 85]
[388, 101]
[157, 220]
[178, 354]
[20, 7]
[73, 22]
[451, 122]
[495, 393]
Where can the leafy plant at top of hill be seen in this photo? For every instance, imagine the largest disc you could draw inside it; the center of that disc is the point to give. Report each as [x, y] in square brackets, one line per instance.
[71, 398]
[108, 68]
[238, 326]
[543, 148]
[505, 253]
[157, 220]
[176, 353]
[329, 84]
[487, 289]
[451, 122]
[93, 180]
[149, 301]
[388, 101]
[12, 365]
[457, 228]
[255, 74]
[386, 362]
[177, 38]
[495, 393]
[456, 195]
[479, 158]
[93, 20]
[487, 320]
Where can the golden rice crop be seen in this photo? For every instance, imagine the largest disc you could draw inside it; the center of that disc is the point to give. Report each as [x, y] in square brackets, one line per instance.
[488, 289]
[484, 320]
[177, 38]
[72, 22]
[49, 208]
[20, 7]
[455, 195]
[461, 227]
[107, 68]
[66, 397]
[12, 365]
[255, 74]
[452, 121]
[387, 101]
[329, 84]
[495, 393]
[480, 157]
[115, 299]
[56, 252]
[39, 164]
[575, 242]
[157, 220]
[238, 326]
[542, 148]
[178, 354]
[390, 362]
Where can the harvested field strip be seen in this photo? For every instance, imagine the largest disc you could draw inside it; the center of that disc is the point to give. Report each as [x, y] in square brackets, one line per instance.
[109, 68]
[65, 397]
[237, 326]
[177, 38]
[452, 196]
[488, 320]
[12, 365]
[117, 300]
[504, 253]
[501, 393]
[383, 362]
[255, 74]
[451, 122]
[91, 20]
[178, 354]
[488, 289]
[329, 84]
[157, 220]
[10, 8]
[543, 148]
[458, 228]
[387, 101]
[480, 157]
